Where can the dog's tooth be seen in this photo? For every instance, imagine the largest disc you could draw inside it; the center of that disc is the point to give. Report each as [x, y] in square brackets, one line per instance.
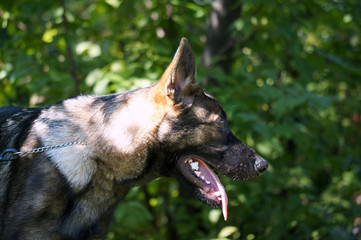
[190, 160]
[208, 182]
[202, 177]
[217, 194]
[198, 173]
[194, 165]
[219, 198]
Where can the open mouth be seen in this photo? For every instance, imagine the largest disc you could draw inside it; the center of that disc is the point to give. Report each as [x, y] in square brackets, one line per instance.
[205, 181]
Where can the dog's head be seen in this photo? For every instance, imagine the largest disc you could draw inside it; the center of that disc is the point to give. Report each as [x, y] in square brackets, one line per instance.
[196, 134]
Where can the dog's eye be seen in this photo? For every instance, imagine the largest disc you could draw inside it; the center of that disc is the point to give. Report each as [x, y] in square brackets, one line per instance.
[220, 124]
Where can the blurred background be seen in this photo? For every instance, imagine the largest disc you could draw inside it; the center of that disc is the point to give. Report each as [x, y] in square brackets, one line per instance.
[287, 72]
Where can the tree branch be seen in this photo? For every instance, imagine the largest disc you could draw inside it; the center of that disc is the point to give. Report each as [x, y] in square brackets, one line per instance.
[220, 43]
[70, 57]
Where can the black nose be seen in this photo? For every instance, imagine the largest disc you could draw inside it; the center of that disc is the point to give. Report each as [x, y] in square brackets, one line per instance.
[261, 165]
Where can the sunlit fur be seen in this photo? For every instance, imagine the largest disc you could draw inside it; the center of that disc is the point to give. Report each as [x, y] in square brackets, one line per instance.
[128, 139]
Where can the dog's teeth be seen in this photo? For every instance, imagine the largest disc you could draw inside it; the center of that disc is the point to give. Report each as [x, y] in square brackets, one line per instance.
[194, 165]
[202, 177]
[219, 198]
[198, 173]
[208, 182]
[190, 160]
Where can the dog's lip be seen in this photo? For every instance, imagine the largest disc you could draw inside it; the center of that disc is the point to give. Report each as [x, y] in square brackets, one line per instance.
[196, 171]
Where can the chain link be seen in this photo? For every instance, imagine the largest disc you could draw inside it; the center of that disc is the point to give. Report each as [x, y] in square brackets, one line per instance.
[47, 148]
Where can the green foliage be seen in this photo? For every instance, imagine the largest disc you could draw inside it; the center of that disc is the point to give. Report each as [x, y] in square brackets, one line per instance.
[293, 93]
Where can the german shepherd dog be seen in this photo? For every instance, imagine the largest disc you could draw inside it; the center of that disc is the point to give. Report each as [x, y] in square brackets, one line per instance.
[171, 129]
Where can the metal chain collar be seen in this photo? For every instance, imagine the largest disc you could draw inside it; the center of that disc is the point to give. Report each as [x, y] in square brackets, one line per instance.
[12, 153]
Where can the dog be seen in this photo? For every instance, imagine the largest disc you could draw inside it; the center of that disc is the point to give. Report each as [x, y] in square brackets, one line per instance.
[112, 143]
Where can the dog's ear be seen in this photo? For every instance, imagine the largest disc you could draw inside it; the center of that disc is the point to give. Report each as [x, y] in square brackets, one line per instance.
[178, 82]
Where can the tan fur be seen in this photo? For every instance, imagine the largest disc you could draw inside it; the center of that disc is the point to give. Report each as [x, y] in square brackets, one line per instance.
[123, 156]
[128, 139]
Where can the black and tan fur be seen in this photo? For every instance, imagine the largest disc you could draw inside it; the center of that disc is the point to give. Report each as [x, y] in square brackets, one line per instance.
[131, 138]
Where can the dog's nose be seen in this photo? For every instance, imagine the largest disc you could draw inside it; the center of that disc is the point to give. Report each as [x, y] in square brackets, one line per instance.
[261, 165]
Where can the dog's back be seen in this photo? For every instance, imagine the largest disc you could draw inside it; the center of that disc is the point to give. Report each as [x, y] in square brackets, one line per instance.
[15, 123]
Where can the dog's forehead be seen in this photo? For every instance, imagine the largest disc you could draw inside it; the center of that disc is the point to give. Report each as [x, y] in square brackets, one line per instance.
[210, 96]
[207, 107]
[212, 103]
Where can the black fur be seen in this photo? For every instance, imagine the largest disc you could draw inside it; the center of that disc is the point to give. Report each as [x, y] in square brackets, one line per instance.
[129, 139]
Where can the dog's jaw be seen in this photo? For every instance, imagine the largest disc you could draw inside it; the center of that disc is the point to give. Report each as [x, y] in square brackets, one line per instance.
[205, 182]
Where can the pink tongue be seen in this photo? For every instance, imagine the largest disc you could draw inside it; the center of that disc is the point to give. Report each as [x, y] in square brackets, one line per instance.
[210, 176]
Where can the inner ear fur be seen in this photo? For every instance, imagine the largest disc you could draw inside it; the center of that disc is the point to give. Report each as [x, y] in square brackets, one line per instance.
[179, 81]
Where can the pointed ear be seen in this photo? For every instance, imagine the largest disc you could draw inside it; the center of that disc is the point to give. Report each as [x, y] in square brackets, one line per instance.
[178, 82]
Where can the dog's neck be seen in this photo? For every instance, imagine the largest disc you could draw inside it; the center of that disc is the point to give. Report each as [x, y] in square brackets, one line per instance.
[101, 125]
